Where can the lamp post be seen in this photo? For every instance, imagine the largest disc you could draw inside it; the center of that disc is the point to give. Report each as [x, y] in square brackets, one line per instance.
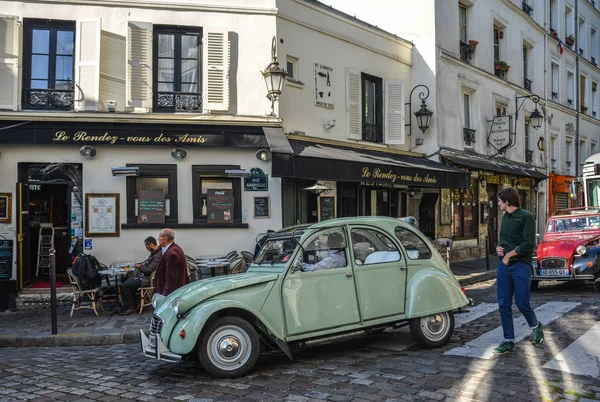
[274, 77]
[536, 117]
[423, 115]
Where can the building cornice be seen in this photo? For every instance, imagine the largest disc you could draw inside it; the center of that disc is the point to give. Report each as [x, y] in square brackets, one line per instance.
[157, 4]
[153, 118]
[353, 145]
[525, 16]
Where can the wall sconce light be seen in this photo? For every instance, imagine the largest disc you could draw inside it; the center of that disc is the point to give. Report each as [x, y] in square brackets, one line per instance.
[238, 173]
[319, 189]
[411, 194]
[536, 187]
[423, 115]
[125, 171]
[274, 77]
[87, 151]
[111, 105]
[482, 181]
[518, 185]
[330, 124]
[263, 155]
[179, 153]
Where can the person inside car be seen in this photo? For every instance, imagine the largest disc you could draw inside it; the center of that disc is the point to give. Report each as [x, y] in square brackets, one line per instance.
[336, 257]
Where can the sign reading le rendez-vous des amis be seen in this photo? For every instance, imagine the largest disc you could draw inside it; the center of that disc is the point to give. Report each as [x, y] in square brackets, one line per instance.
[499, 136]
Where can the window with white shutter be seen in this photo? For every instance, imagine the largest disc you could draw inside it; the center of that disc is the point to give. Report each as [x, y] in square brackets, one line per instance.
[215, 58]
[353, 104]
[394, 112]
[9, 58]
[139, 64]
[87, 64]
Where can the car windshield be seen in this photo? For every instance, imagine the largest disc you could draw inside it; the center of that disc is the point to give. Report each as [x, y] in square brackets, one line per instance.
[276, 251]
[573, 224]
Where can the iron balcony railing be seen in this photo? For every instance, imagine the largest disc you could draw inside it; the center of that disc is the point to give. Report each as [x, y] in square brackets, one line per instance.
[527, 84]
[178, 102]
[49, 99]
[465, 51]
[372, 132]
[468, 135]
[528, 156]
[527, 8]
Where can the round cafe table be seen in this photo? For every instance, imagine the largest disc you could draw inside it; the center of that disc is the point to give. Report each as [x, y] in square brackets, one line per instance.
[212, 264]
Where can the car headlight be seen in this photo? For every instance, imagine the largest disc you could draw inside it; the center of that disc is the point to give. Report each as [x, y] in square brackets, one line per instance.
[179, 306]
[157, 300]
[580, 249]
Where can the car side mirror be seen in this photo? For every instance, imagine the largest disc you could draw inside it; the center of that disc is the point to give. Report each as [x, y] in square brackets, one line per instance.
[296, 266]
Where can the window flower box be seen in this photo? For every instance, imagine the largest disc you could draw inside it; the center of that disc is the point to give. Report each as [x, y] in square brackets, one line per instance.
[570, 40]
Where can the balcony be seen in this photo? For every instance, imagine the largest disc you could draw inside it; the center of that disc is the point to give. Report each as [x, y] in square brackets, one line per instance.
[49, 99]
[465, 51]
[570, 102]
[527, 84]
[555, 96]
[372, 132]
[469, 136]
[178, 102]
[580, 51]
[527, 8]
[528, 156]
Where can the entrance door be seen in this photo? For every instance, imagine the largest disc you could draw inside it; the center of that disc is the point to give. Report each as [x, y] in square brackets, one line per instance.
[492, 191]
[23, 255]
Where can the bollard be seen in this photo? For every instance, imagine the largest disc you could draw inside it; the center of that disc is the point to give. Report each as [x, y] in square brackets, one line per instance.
[487, 253]
[52, 255]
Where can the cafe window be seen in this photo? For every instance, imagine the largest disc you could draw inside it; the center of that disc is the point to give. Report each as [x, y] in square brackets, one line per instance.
[153, 177]
[213, 177]
[465, 219]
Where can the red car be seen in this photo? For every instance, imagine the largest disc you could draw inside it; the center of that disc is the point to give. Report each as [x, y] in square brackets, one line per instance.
[570, 248]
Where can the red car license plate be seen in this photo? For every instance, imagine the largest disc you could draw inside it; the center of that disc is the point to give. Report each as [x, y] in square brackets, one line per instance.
[554, 272]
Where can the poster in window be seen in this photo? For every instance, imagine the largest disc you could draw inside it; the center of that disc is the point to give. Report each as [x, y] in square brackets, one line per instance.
[327, 207]
[102, 215]
[5, 207]
[151, 206]
[445, 207]
[219, 206]
[262, 207]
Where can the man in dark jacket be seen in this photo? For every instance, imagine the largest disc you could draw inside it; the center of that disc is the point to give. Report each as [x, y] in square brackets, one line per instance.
[172, 271]
[141, 277]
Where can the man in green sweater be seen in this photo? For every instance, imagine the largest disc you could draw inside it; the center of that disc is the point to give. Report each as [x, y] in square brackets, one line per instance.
[517, 240]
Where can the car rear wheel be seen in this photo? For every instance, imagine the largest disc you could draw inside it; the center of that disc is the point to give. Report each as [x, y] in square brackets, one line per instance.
[534, 285]
[433, 330]
[229, 348]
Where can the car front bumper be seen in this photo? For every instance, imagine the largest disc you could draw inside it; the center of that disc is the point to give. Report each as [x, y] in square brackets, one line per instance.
[152, 346]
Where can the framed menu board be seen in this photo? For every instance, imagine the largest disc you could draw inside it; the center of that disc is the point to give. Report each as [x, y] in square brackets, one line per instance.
[327, 208]
[5, 208]
[262, 207]
[151, 206]
[219, 206]
[6, 259]
[102, 215]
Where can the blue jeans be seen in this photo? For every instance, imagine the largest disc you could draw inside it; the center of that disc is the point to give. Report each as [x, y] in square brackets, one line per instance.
[514, 280]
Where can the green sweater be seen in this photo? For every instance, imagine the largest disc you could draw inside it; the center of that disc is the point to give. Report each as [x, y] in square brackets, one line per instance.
[518, 233]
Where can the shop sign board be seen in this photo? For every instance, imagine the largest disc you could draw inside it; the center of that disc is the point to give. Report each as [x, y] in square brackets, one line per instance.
[499, 136]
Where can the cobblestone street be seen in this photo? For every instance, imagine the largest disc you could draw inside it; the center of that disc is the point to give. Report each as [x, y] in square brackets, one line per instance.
[363, 370]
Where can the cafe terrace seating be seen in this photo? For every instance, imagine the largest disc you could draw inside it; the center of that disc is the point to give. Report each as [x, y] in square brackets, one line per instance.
[84, 299]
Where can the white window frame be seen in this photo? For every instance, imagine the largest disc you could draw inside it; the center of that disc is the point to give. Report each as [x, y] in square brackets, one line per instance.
[571, 88]
[555, 79]
[581, 42]
[295, 76]
[595, 99]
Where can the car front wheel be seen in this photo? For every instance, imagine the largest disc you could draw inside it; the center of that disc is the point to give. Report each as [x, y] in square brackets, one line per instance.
[229, 348]
[433, 330]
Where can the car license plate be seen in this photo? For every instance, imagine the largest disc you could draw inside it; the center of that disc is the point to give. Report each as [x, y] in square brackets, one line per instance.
[554, 272]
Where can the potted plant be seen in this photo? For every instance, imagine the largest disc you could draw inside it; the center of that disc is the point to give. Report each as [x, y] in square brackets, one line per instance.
[473, 45]
[501, 65]
[554, 34]
[570, 40]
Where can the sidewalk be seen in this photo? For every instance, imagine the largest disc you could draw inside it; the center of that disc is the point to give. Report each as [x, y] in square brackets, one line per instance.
[34, 327]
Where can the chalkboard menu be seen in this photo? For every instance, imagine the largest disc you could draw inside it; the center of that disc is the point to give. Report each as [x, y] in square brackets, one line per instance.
[261, 207]
[151, 206]
[219, 206]
[6, 259]
[327, 208]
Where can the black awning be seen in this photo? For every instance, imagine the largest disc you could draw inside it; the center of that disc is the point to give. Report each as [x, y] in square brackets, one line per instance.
[315, 161]
[493, 165]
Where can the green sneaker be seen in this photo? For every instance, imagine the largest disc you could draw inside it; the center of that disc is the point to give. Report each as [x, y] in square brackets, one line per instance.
[504, 347]
[537, 335]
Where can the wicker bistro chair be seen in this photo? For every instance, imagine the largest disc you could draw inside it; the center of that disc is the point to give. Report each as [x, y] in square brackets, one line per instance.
[248, 257]
[193, 270]
[237, 266]
[146, 293]
[84, 299]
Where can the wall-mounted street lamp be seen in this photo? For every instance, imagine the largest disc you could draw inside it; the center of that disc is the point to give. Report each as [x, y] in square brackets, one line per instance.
[274, 77]
[87, 151]
[423, 115]
[536, 118]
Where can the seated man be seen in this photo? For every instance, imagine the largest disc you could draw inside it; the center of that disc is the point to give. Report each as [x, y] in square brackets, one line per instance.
[141, 276]
[336, 257]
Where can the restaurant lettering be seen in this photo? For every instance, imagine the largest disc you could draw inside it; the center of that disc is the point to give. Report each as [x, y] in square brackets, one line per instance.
[389, 175]
[106, 138]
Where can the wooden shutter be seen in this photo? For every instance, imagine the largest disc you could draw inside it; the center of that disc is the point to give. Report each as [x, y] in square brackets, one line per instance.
[139, 64]
[215, 69]
[394, 112]
[87, 64]
[9, 61]
[353, 104]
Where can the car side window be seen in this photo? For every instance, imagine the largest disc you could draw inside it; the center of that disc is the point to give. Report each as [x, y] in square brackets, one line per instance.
[326, 250]
[416, 249]
[373, 247]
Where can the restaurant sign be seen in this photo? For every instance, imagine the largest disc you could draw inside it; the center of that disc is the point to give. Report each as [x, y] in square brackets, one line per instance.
[499, 136]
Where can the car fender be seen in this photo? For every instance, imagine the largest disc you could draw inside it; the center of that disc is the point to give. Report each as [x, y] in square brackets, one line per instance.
[580, 264]
[445, 293]
[194, 321]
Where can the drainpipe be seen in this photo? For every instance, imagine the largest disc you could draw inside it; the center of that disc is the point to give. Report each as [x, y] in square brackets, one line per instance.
[577, 91]
[546, 139]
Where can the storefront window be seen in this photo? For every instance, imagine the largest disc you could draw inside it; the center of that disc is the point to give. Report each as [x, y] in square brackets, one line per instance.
[213, 177]
[465, 220]
[153, 177]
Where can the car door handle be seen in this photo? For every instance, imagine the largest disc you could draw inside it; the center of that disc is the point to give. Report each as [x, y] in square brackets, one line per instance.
[349, 274]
